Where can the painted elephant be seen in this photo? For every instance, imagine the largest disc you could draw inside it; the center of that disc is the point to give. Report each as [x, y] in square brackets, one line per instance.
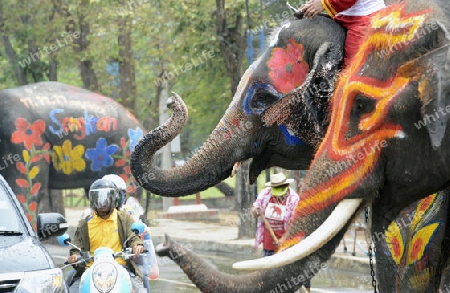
[57, 136]
[275, 125]
[386, 144]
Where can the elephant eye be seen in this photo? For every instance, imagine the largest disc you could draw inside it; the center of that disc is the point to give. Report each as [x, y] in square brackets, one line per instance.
[262, 98]
[362, 105]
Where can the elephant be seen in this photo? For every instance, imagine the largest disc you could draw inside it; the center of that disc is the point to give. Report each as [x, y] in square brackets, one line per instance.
[275, 125]
[386, 144]
[57, 136]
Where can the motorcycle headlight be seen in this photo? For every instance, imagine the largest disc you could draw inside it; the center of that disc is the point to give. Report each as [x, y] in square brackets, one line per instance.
[104, 277]
[51, 280]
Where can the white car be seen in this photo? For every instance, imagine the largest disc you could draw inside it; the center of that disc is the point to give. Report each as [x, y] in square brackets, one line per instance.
[26, 266]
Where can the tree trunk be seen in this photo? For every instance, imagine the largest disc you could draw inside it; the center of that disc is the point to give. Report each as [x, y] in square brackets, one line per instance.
[224, 188]
[53, 68]
[246, 197]
[80, 44]
[232, 42]
[19, 73]
[36, 67]
[126, 65]
[52, 202]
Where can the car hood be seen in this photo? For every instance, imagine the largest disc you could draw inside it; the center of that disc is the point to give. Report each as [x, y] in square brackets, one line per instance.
[21, 254]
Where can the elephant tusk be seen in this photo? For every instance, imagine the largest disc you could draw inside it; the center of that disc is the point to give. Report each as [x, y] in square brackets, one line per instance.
[332, 225]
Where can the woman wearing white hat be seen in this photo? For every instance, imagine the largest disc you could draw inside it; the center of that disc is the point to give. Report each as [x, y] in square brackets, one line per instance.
[275, 207]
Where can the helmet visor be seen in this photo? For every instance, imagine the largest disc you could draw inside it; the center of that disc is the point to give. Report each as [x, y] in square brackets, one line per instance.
[102, 198]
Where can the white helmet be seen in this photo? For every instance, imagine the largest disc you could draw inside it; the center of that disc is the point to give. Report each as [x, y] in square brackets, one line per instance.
[117, 180]
[121, 186]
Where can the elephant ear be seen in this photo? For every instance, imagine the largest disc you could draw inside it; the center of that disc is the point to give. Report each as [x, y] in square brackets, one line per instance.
[304, 111]
[436, 109]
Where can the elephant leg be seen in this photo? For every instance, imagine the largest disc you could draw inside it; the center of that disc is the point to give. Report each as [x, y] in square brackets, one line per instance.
[52, 201]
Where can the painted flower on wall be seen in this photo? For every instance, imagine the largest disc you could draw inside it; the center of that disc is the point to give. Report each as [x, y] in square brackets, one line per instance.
[29, 134]
[287, 68]
[135, 136]
[67, 159]
[101, 155]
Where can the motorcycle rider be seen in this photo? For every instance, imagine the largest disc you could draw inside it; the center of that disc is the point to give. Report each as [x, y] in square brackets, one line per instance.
[106, 227]
[121, 186]
[131, 204]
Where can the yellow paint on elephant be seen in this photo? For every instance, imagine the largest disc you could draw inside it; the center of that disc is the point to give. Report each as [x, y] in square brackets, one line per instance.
[420, 241]
[68, 159]
[422, 208]
[395, 242]
[26, 156]
[420, 280]
[397, 21]
[417, 239]
[330, 193]
[33, 172]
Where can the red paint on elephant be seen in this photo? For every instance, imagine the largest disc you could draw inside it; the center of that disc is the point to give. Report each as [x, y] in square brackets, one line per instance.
[29, 134]
[288, 70]
[396, 247]
[417, 247]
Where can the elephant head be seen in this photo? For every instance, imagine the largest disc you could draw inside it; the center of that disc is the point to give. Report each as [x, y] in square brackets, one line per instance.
[386, 143]
[293, 78]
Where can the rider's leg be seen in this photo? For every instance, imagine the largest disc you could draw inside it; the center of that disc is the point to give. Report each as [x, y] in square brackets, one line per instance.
[75, 287]
[146, 284]
[138, 285]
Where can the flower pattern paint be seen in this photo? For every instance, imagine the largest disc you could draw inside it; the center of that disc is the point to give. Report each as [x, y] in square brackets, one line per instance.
[101, 154]
[68, 159]
[407, 239]
[288, 70]
[29, 134]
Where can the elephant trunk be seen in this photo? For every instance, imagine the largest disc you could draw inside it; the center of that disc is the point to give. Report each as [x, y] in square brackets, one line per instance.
[285, 279]
[209, 166]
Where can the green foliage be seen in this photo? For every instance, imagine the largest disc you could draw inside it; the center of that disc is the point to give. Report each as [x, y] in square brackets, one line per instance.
[176, 36]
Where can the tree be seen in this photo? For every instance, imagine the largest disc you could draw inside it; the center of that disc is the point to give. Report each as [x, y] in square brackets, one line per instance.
[232, 40]
[78, 27]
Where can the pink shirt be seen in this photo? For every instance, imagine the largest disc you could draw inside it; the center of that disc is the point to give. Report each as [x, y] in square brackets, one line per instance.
[262, 202]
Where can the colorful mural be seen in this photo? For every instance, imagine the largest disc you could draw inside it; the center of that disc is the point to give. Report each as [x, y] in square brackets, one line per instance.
[70, 145]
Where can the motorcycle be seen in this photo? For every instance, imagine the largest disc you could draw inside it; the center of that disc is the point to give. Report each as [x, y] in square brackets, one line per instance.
[105, 274]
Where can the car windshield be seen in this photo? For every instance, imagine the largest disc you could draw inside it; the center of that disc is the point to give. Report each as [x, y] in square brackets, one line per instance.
[9, 219]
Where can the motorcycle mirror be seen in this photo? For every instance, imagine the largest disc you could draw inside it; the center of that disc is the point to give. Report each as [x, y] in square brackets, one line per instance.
[138, 227]
[50, 225]
[64, 240]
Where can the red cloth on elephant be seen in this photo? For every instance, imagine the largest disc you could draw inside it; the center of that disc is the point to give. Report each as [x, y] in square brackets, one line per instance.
[353, 15]
[356, 26]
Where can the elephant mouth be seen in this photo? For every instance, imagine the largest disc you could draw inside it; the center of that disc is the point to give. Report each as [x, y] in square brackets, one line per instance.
[338, 220]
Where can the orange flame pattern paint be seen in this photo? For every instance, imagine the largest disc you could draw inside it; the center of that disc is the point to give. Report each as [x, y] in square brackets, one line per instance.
[388, 27]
